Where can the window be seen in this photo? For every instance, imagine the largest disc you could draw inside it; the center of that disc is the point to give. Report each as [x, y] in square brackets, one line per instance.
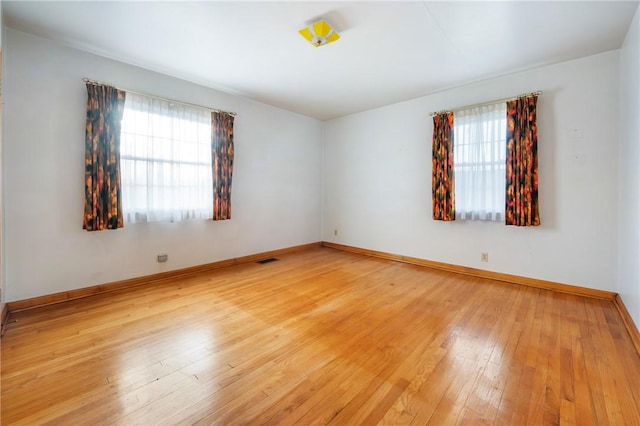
[165, 158]
[479, 162]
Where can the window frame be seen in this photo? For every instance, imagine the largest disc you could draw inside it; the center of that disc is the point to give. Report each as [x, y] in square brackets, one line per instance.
[479, 135]
[161, 150]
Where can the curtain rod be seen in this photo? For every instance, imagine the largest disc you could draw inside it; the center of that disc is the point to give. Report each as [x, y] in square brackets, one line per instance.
[100, 83]
[485, 103]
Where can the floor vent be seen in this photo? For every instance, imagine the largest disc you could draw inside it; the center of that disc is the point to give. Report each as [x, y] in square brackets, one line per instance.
[267, 260]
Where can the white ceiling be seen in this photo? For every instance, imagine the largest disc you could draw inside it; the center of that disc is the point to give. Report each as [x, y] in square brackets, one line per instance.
[388, 51]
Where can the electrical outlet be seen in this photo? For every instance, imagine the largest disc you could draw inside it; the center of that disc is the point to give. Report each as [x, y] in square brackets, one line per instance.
[335, 232]
[484, 257]
[163, 257]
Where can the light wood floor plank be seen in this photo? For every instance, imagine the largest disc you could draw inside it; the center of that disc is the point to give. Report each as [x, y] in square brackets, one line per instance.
[321, 337]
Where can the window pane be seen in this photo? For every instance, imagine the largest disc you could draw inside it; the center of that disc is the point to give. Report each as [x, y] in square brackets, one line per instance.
[479, 162]
[166, 161]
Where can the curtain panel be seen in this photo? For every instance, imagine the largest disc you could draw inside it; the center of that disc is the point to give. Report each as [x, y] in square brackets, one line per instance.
[103, 198]
[222, 163]
[521, 198]
[442, 184]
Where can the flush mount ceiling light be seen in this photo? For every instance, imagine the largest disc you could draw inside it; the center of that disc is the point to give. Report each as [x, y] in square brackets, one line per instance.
[319, 33]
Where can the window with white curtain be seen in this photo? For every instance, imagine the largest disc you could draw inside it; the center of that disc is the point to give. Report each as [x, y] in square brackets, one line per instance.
[165, 159]
[479, 162]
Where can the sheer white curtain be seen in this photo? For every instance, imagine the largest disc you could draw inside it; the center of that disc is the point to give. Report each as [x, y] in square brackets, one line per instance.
[479, 152]
[165, 159]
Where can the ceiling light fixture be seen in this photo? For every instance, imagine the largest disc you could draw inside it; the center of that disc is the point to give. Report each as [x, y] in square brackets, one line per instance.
[319, 33]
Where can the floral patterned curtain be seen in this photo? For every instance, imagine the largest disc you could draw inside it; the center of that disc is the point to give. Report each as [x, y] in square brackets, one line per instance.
[103, 198]
[222, 162]
[442, 185]
[521, 208]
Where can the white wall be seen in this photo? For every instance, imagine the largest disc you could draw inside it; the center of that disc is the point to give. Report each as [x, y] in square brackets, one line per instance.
[376, 185]
[276, 184]
[2, 289]
[629, 195]
[377, 179]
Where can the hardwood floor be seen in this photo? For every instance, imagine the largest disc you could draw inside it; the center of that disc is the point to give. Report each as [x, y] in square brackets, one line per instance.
[322, 336]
